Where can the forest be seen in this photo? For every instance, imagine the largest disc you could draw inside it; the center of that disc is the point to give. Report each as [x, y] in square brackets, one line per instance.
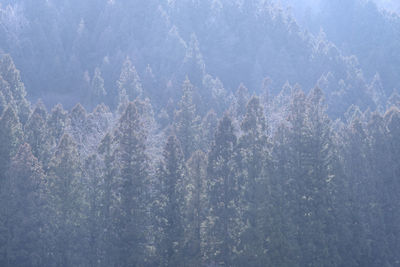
[199, 133]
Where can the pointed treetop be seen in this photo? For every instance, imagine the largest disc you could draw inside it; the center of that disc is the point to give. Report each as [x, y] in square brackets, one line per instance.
[25, 155]
[129, 80]
[254, 117]
[10, 73]
[316, 96]
[78, 113]
[40, 109]
[66, 145]
[392, 117]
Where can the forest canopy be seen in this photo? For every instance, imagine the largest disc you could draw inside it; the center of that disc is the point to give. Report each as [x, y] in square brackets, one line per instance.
[199, 133]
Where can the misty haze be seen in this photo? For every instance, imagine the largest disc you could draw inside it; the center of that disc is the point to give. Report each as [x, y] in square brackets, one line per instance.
[199, 133]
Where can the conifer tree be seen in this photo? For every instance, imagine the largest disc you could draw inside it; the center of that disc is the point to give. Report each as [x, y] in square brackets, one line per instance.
[108, 197]
[57, 122]
[186, 121]
[255, 166]
[208, 128]
[131, 210]
[171, 204]
[11, 137]
[66, 205]
[222, 191]
[22, 200]
[12, 77]
[196, 207]
[129, 81]
[77, 128]
[38, 136]
[94, 224]
[97, 90]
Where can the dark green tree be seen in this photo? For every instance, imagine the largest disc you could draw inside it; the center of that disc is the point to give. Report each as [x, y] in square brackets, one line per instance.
[12, 77]
[37, 135]
[186, 121]
[222, 191]
[11, 137]
[66, 205]
[196, 205]
[131, 211]
[171, 205]
[255, 167]
[57, 122]
[23, 203]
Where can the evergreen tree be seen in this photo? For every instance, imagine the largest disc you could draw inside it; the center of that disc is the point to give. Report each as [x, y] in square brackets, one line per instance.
[77, 128]
[208, 128]
[94, 224]
[57, 122]
[12, 77]
[131, 211]
[129, 81]
[255, 166]
[97, 90]
[186, 121]
[22, 202]
[66, 204]
[108, 198]
[38, 136]
[222, 191]
[196, 207]
[11, 137]
[171, 205]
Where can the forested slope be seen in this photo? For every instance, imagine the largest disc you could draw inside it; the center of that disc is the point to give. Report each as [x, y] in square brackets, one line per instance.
[196, 133]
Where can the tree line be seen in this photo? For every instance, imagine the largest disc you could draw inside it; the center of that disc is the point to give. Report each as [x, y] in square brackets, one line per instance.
[269, 181]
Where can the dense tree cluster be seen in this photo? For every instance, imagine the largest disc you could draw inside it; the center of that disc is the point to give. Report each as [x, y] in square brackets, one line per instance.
[72, 51]
[267, 181]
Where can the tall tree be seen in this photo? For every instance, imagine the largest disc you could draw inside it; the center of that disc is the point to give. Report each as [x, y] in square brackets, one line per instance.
[11, 137]
[22, 200]
[12, 77]
[186, 121]
[38, 136]
[57, 122]
[196, 205]
[171, 204]
[97, 90]
[108, 197]
[129, 81]
[255, 166]
[222, 220]
[131, 211]
[66, 204]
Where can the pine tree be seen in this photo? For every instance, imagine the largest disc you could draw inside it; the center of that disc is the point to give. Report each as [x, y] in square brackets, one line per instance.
[390, 196]
[12, 77]
[255, 166]
[57, 122]
[208, 128]
[77, 128]
[97, 90]
[222, 192]
[196, 207]
[38, 136]
[94, 224]
[66, 205]
[129, 81]
[186, 121]
[131, 210]
[108, 198]
[171, 205]
[11, 137]
[22, 202]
